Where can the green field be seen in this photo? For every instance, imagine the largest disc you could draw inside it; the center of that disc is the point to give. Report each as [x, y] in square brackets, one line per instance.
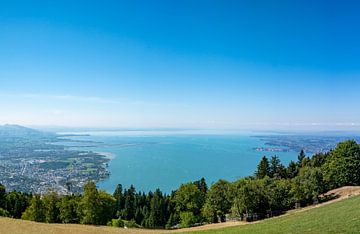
[338, 217]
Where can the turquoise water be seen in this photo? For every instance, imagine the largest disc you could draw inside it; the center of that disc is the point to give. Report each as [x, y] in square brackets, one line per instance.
[164, 160]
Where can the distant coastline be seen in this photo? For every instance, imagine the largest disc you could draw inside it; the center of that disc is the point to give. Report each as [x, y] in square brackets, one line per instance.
[107, 155]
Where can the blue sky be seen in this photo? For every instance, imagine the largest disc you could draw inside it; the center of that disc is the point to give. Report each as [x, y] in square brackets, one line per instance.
[183, 64]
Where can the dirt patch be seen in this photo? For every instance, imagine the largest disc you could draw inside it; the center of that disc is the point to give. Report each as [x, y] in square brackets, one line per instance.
[211, 226]
[345, 192]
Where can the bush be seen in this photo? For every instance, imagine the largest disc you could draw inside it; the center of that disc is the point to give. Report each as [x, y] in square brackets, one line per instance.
[116, 223]
[4, 213]
[131, 224]
[187, 219]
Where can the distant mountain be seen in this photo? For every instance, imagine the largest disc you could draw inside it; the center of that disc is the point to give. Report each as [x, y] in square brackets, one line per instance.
[17, 131]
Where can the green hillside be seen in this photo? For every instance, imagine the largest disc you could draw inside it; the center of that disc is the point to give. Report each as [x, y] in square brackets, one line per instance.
[338, 217]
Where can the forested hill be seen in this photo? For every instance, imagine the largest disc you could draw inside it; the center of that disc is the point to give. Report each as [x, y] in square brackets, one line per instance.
[17, 131]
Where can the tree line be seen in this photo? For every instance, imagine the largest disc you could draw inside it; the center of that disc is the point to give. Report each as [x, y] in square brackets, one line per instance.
[273, 189]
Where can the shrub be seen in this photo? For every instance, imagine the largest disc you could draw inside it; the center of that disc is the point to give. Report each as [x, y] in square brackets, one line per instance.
[187, 219]
[116, 223]
[4, 213]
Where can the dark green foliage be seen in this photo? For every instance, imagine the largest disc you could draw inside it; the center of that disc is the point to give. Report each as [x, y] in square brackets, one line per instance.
[250, 198]
[51, 207]
[342, 166]
[16, 203]
[202, 186]
[276, 169]
[218, 201]
[263, 169]
[318, 159]
[36, 210]
[4, 213]
[188, 219]
[106, 207]
[278, 194]
[2, 196]
[128, 212]
[68, 207]
[157, 209]
[120, 200]
[173, 220]
[308, 185]
[188, 198]
[292, 170]
[301, 157]
[89, 207]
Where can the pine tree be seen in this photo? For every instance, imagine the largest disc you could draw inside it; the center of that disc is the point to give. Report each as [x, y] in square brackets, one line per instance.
[157, 210]
[129, 207]
[301, 157]
[292, 170]
[120, 200]
[202, 186]
[263, 169]
[277, 170]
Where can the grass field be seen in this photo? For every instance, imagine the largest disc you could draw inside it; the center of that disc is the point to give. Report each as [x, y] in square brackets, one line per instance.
[337, 217]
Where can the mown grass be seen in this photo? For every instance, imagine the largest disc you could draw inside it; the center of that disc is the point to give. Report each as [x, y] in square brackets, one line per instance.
[338, 217]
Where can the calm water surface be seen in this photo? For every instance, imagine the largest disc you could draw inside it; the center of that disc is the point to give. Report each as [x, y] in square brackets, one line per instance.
[165, 159]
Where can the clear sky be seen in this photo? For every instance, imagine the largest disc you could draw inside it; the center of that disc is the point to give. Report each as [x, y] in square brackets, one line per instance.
[183, 64]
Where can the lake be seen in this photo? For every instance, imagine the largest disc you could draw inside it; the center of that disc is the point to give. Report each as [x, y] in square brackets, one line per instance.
[165, 159]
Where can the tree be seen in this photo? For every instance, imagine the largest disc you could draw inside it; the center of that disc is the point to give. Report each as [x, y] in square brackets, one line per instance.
[128, 212]
[120, 200]
[51, 207]
[308, 185]
[250, 198]
[188, 219]
[278, 194]
[277, 170]
[301, 157]
[36, 211]
[2, 196]
[16, 203]
[172, 221]
[292, 170]
[157, 210]
[89, 207]
[68, 207]
[263, 169]
[202, 186]
[318, 160]
[139, 215]
[342, 166]
[106, 207]
[218, 201]
[188, 199]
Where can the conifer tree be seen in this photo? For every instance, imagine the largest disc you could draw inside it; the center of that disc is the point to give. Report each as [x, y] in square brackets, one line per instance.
[263, 169]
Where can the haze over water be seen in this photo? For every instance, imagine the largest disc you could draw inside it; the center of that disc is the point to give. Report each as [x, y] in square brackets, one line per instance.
[165, 159]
